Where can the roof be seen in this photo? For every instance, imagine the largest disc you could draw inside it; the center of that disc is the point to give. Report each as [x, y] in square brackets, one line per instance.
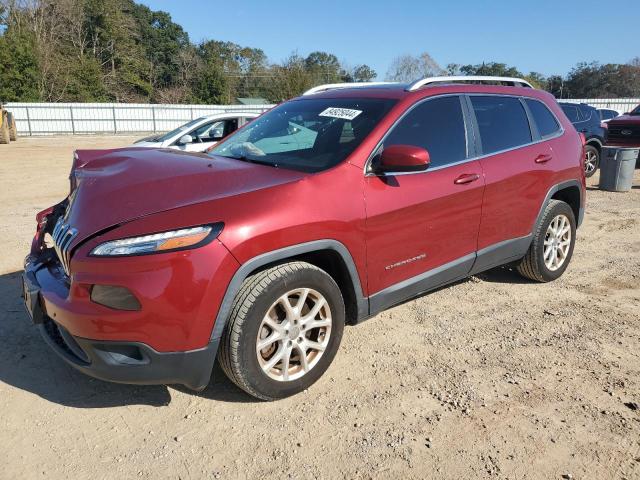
[399, 92]
[426, 87]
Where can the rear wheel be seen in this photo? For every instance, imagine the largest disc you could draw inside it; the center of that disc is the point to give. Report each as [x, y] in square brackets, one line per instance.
[552, 245]
[591, 160]
[4, 130]
[13, 130]
[285, 329]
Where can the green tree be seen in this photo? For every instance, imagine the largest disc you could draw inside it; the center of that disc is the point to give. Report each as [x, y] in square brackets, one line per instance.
[19, 75]
[323, 67]
[162, 41]
[363, 73]
[490, 69]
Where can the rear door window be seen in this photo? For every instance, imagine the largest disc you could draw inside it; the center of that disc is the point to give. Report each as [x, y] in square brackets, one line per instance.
[502, 122]
[436, 125]
[572, 113]
[545, 120]
[586, 112]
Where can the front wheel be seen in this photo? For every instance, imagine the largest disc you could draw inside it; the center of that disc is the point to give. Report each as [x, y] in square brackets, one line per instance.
[4, 130]
[284, 331]
[591, 160]
[552, 244]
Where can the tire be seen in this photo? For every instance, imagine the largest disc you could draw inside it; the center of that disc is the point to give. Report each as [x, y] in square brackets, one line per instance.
[4, 131]
[262, 296]
[591, 160]
[13, 130]
[533, 266]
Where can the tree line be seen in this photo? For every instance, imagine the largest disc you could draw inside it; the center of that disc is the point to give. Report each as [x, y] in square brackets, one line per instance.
[121, 51]
[585, 80]
[118, 50]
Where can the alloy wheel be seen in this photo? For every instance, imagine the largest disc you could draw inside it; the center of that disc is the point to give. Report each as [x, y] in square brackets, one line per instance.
[590, 162]
[294, 334]
[557, 242]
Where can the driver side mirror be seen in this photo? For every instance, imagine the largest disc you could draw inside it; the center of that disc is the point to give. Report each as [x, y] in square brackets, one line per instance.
[185, 139]
[403, 158]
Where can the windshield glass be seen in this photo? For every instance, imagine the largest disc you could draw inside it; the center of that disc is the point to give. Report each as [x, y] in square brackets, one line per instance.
[636, 111]
[309, 135]
[182, 128]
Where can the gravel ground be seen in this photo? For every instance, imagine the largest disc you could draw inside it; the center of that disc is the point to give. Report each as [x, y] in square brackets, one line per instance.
[493, 377]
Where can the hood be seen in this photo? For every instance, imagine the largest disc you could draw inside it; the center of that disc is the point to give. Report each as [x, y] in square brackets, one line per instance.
[145, 144]
[117, 186]
[151, 138]
[625, 120]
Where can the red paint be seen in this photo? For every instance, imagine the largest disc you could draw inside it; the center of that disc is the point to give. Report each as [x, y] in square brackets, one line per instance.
[629, 123]
[444, 214]
[401, 157]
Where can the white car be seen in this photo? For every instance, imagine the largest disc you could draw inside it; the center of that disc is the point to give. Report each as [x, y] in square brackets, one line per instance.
[199, 134]
[607, 114]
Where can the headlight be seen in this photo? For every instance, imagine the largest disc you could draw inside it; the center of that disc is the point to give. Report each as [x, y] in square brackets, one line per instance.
[159, 242]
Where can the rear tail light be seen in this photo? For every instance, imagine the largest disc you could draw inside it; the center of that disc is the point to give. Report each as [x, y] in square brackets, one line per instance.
[583, 141]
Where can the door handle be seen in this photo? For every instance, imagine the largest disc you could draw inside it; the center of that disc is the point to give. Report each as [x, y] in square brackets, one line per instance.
[466, 178]
[544, 158]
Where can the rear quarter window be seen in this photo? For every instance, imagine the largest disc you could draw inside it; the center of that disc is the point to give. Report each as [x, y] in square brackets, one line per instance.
[502, 122]
[544, 119]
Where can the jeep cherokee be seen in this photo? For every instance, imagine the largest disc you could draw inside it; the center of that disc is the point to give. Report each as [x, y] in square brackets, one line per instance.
[322, 212]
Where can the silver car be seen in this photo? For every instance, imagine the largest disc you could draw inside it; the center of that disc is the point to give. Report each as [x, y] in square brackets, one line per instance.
[199, 134]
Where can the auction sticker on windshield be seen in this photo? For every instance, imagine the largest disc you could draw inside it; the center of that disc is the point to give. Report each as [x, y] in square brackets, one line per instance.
[343, 113]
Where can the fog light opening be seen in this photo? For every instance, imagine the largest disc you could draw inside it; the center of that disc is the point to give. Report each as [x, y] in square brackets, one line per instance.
[118, 298]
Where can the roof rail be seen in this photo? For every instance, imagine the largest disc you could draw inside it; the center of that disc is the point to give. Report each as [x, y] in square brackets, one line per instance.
[516, 82]
[333, 86]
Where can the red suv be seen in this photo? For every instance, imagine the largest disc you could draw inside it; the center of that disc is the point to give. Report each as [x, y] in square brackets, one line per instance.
[322, 212]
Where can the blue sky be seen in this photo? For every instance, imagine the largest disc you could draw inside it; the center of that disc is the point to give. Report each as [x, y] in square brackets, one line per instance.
[539, 35]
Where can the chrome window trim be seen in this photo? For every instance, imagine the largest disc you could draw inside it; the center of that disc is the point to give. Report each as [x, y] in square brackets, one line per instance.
[367, 164]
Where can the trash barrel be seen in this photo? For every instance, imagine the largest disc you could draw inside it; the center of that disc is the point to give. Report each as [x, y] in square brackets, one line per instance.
[616, 168]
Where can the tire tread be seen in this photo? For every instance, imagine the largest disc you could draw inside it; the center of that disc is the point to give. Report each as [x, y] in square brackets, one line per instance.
[528, 266]
[253, 286]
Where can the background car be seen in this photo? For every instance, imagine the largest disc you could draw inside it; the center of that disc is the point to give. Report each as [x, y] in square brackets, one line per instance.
[586, 119]
[607, 114]
[624, 131]
[199, 134]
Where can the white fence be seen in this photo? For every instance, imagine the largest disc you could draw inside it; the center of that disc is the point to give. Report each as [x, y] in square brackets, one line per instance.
[110, 118]
[622, 105]
[97, 118]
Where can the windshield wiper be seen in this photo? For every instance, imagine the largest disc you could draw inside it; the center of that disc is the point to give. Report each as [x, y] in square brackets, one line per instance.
[252, 160]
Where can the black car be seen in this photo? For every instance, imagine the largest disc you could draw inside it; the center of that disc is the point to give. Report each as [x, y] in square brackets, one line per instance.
[586, 119]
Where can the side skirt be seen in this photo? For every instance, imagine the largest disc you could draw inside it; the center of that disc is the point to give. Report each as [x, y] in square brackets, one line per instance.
[485, 259]
[412, 287]
[501, 253]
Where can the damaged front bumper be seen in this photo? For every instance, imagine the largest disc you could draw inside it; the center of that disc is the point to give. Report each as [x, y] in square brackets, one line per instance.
[114, 361]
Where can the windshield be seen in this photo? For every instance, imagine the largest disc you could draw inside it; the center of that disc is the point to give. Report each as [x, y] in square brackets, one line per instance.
[309, 135]
[180, 129]
[636, 111]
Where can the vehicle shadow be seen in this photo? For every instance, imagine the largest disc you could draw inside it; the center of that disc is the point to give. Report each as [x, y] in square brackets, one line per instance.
[27, 363]
[503, 274]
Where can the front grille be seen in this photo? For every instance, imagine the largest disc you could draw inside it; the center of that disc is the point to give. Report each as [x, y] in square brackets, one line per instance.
[62, 236]
[624, 132]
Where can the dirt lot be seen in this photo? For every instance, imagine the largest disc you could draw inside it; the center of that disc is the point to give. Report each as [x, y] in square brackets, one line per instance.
[494, 377]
